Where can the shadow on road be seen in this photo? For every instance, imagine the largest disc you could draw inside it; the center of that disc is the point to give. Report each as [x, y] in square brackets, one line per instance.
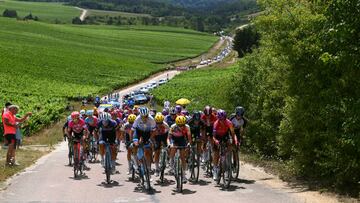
[201, 183]
[244, 181]
[110, 185]
[81, 177]
[165, 183]
[140, 189]
[184, 192]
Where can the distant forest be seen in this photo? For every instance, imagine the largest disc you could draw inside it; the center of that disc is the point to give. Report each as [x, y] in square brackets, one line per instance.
[201, 15]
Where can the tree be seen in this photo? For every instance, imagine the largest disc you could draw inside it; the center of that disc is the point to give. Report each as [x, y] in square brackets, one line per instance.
[77, 21]
[10, 13]
[245, 40]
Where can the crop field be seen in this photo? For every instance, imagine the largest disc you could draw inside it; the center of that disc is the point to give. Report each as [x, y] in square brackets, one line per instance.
[92, 12]
[207, 86]
[42, 65]
[47, 12]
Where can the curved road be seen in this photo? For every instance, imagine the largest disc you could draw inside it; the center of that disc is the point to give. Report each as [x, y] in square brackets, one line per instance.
[51, 180]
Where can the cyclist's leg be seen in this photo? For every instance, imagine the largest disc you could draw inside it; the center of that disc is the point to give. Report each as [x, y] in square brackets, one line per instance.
[148, 154]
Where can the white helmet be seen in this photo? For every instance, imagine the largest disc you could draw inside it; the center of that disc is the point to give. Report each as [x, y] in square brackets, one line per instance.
[104, 116]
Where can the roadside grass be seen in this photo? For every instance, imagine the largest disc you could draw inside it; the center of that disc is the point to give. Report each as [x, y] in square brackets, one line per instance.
[25, 157]
[45, 11]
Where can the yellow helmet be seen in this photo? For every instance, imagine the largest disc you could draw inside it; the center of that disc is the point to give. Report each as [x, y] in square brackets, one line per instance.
[159, 118]
[180, 120]
[131, 118]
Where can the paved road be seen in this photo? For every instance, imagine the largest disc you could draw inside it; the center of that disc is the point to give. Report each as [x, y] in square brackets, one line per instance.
[51, 180]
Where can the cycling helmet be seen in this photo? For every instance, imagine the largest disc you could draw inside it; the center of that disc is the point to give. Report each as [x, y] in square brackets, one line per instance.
[75, 115]
[196, 115]
[180, 120]
[185, 112]
[153, 112]
[82, 112]
[172, 111]
[178, 108]
[105, 116]
[207, 110]
[221, 114]
[68, 118]
[89, 113]
[144, 111]
[159, 118]
[131, 118]
[165, 112]
[239, 111]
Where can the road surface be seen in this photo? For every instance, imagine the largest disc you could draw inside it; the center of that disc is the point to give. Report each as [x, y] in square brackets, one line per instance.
[51, 180]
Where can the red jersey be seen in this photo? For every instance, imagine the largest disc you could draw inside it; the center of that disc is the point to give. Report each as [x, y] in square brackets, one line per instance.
[208, 120]
[221, 128]
[77, 127]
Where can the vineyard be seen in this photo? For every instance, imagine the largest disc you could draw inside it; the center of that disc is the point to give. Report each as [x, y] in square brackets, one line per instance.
[44, 65]
[47, 12]
[202, 87]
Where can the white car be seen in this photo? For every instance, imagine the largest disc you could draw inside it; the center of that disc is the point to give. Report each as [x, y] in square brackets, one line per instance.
[144, 89]
[162, 81]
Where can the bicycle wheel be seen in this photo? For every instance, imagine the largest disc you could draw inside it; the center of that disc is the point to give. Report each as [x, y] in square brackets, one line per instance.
[197, 167]
[179, 173]
[146, 176]
[76, 161]
[71, 153]
[227, 173]
[162, 165]
[107, 164]
[191, 165]
[235, 165]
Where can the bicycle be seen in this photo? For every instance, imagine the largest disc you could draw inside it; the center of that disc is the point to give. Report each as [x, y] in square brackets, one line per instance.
[225, 170]
[163, 161]
[107, 161]
[194, 162]
[143, 169]
[93, 149]
[235, 161]
[178, 170]
[71, 151]
[208, 159]
[78, 161]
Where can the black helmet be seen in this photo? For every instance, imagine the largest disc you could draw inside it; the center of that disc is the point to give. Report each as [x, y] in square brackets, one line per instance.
[196, 115]
[239, 111]
[172, 111]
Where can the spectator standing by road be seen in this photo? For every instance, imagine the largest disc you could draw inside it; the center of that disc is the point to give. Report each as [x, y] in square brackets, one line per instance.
[10, 127]
[4, 110]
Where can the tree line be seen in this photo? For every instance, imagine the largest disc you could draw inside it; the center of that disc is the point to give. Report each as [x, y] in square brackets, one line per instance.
[302, 90]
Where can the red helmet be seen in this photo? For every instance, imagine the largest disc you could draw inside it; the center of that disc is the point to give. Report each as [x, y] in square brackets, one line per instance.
[207, 110]
[75, 114]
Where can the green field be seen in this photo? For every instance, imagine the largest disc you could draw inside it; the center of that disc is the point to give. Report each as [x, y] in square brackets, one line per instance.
[44, 64]
[47, 12]
[92, 12]
[207, 86]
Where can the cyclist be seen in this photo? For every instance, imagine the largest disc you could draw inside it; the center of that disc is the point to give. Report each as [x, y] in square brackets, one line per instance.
[178, 110]
[83, 114]
[170, 119]
[179, 136]
[91, 123]
[107, 128]
[239, 123]
[126, 133]
[141, 131]
[208, 119]
[160, 134]
[222, 126]
[197, 128]
[78, 130]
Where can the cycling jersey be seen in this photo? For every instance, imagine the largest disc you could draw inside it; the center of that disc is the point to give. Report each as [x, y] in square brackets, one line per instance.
[169, 120]
[179, 134]
[78, 128]
[209, 123]
[221, 128]
[195, 128]
[108, 133]
[161, 134]
[237, 123]
[126, 128]
[143, 128]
